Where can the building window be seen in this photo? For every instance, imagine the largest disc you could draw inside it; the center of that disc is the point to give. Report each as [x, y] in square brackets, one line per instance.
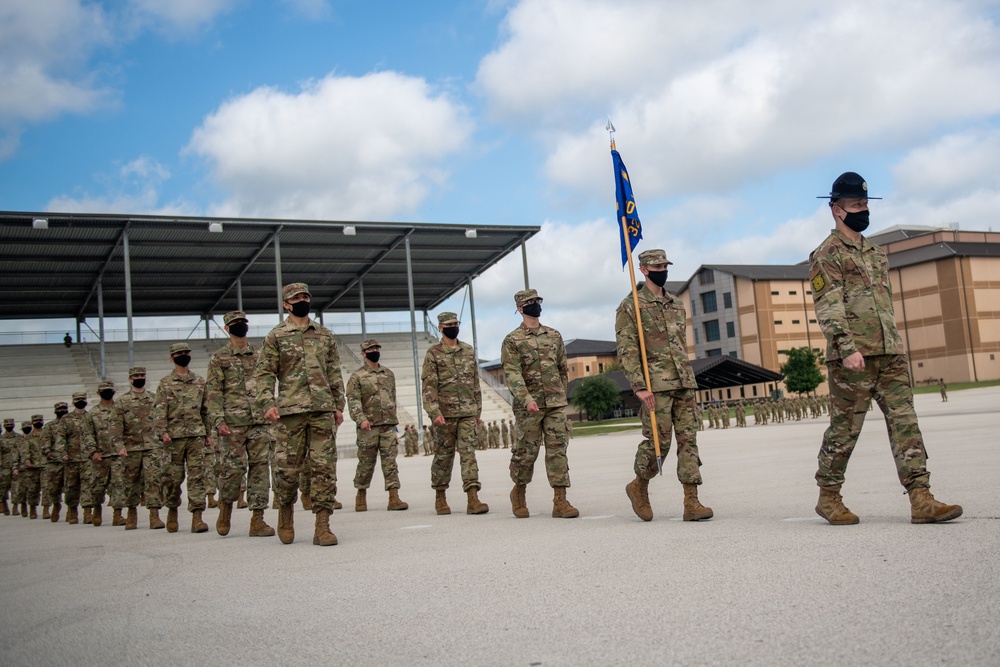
[793, 292]
[777, 323]
[734, 354]
[729, 393]
[774, 293]
[920, 364]
[992, 357]
[711, 330]
[706, 277]
[502, 381]
[714, 352]
[796, 322]
[600, 368]
[696, 341]
[812, 321]
[709, 304]
[727, 300]
[588, 369]
[755, 390]
[731, 329]
[743, 393]
[694, 309]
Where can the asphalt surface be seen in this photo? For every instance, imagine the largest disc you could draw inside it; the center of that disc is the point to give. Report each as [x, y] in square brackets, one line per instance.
[766, 582]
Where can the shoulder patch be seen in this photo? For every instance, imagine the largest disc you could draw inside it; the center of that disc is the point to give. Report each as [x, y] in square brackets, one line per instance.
[818, 283]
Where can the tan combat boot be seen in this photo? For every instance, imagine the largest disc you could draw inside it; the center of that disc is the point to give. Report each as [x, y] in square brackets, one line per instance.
[323, 537]
[24, 510]
[518, 503]
[286, 524]
[88, 514]
[155, 523]
[307, 503]
[223, 523]
[242, 502]
[211, 502]
[337, 505]
[95, 516]
[173, 525]
[638, 492]
[132, 522]
[4, 507]
[197, 525]
[53, 516]
[831, 507]
[395, 504]
[361, 501]
[257, 526]
[116, 517]
[33, 512]
[274, 504]
[561, 509]
[474, 505]
[45, 512]
[441, 502]
[72, 515]
[693, 509]
[924, 508]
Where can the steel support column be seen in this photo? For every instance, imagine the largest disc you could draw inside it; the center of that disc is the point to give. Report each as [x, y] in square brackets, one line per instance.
[524, 263]
[239, 294]
[128, 298]
[277, 276]
[361, 302]
[472, 314]
[100, 325]
[413, 336]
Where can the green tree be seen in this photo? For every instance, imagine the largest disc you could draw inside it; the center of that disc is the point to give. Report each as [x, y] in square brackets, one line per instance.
[801, 371]
[596, 396]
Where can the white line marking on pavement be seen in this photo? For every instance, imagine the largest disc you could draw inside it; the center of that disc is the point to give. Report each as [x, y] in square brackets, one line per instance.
[422, 525]
[803, 518]
[599, 516]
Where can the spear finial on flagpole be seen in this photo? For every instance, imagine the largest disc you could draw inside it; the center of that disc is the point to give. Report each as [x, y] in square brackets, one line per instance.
[611, 132]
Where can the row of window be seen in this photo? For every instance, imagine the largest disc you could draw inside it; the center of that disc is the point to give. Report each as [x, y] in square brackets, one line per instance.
[791, 292]
[779, 322]
[710, 303]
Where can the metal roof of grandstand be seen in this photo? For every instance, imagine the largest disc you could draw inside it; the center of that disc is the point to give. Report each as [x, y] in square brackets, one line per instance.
[585, 347]
[710, 373]
[50, 263]
[903, 258]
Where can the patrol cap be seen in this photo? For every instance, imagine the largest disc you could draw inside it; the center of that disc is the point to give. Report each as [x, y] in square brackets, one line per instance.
[447, 318]
[137, 370]
[79, 396]
[105, 384]
[849, 185]
[290, 290]
[9, 421]
[234, 316]
[61, 405]
[25, 425]
[179, 347]
[526, 295]
[369, 344]
[653, 257]
[37, 418]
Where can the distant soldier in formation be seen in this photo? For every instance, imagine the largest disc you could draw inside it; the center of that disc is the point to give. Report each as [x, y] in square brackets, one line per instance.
[9, 440]
[482, 436]
[244, 435]
[454, 402]
[134, 435]
[672, 381]
[106, 472]
[371, 400]
[29, 474]
[741, 415]
[944, 390]
[537, 372]
[53, 467]
[726, 417]
[505, 434]
[75, 439]
[409, 440]
[699, 417]
[17, 489]
[428, 442]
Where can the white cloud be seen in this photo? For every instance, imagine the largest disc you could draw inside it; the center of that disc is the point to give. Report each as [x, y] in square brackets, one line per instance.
[178, 18]
[136, 188]
[352, 148]
[314, 10]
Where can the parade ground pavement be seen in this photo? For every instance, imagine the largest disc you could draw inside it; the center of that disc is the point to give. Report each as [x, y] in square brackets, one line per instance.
[766, 582]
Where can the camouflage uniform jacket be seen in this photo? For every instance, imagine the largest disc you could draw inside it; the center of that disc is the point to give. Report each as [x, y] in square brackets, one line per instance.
[535, 366]
[179, 408]
[10, 446]
[132, 423]
[33, 450]
[50, 440]
[101, 418]
[853, 298]
[371, 396]
[230, 395]
[664, 328]
[450, 382]
[76, 437]
[305, 362]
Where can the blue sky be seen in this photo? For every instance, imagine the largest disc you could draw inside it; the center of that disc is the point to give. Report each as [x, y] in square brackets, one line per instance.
[731, 117]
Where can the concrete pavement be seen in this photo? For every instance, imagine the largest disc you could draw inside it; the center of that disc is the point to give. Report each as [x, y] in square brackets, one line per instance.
[766, 582]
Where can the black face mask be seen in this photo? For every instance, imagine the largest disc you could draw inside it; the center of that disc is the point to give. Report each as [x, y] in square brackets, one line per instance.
[658, 278]
[450, 332]
[36, 424]
[182, 360]
[139, 383]
[239, 329]
[857, 222]
[300, 308]
[108, 394]
[532, 309]
[61, 414]
[9, 429]
[80, 405]
[373, 356]
[26, 430]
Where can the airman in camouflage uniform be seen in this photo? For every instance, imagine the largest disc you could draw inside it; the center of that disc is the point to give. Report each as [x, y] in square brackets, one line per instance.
[301, 356]
[17, 495]
[134, 435]
[672, 385]
[244, 434]
[944, 390]
[75, 438]
[106, 470]
[741, 415]
[52, 467]
[8, 442]
[864, 356]
[30, 457]
[180, 418]
[537, 374]
[371, 399]
[428, 441]
[453, 400]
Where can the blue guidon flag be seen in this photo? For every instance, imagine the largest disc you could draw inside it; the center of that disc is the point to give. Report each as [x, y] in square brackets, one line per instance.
[626, 207]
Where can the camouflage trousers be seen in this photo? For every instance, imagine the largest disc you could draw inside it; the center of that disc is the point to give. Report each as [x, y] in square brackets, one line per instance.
[457, 433]
[29, 482]
[107, 475]
[307, 440]
[52, 476]
[533, 430]
[86, 475]
[674, 413]
[246, 452]
[71, 483]
[181, 453]
[142, 474]
[5, 478]
[16, 490]
[379, 442]
[214, 469]
[885, 378]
